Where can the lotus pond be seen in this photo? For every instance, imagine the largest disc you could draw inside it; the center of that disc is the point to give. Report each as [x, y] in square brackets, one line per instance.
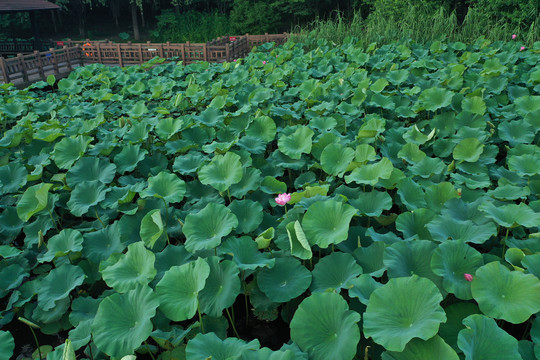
[139, 217]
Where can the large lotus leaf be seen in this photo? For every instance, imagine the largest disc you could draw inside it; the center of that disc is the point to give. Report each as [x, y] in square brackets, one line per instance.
[428, 167]
[90, 169]
[245, 254]
[209, 346]
[532, 264]
[12, 177]
[11, 276]
[297, 143]
[179, 288]
[298, 241]
[451, 260]
[455, 314]
[370, 258]
[416, 137]
[474, 105]
[325, 328]
[70, 149]
[411, 153]
[372, 203]
[482, 339]
[189, 164]
[33, 201]
[416, 349]
[334, 272]
[249, 214]
[438, 194]
[362, 287]
[134, 268]
[268, 354]
[435, 98]
[151, 227]
[468, 149]
[172, 255]
[169, 126]
[101, 244]
[511, 215]
[413, 223]
[524, 165]
[68, 240]
[403, 309]
[443, 228]
[129, 157]
[527, 104]
[222, 172]
[411, 194]
[286, 280]
[13, 109]
[86, 195]
[335, 158]
[327, 222]
[123, 321]
[516, 132]
[503, 294]
[221, 288]
[205, 229]
[165, 186]
[57, 285]
[262, 127]
[369, 174]
[7, 345]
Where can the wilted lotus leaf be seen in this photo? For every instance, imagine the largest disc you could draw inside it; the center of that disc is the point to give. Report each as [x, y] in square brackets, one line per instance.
[222, 172]
[403, 309]
[286, 280]
[335, 272]
[209, 346]
[327, 222]
[325, 328]
[165, 186]
[123, 321]
[503, 294]
[483, 339]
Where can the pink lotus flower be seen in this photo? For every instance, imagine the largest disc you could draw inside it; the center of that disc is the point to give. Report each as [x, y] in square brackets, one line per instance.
[468, 277]
[514, 36]
[522, 48]
[234, 60]
[264, 62]
[282, 199]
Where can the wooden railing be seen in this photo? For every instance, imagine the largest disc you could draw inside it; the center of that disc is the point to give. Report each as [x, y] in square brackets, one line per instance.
[13, 47]
[37, 65]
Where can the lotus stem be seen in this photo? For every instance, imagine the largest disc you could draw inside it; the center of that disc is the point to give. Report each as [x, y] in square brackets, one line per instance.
[366, 356]
[149, 351]
[232, 323]
[37, 342]
[54, 222]
[166, 217]
[229, 195]
[99, 218]
[200, 316]
[504, 242]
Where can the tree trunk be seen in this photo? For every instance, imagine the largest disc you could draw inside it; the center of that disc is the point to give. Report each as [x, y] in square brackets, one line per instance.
[136, 34]
[143, 21]
[53, 18]
[114, 5]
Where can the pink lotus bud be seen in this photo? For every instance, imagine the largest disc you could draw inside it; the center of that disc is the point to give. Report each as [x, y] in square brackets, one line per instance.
[282, 199]
[468, 277]
[522, 48]
[514, 36]
[264, 62]
[234, 60]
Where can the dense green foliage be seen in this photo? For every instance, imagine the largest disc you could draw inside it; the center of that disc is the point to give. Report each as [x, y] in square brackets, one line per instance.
[138, 207]
[190, 26]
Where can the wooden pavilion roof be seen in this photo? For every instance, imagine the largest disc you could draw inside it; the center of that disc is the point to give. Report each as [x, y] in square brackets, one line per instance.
[9, 6]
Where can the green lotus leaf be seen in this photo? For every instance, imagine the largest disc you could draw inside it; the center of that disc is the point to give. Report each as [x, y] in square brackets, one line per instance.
[325, 328]
[452, 260]
[262, 127]
[362, 287]
[525, 165]
[297, 143]
[205, 229]
[511, 215]
[482, 339]
[137, 110]
[70, 149]
[286, 280]
[474, 105]
[435, 98]
[222, 172]
[134, 268]
[169, 126]
[90, 169]
[443, 228]
[57, 285]
[7, 251]
[334, 272]
[327, 222]
[61, 244]
[416, 349]
[52, 315]
[532, 264]
[416, 137]
[12, 177]
[268, 354]
[172, 255]
[101, 244]
[249, 214]
[503, 294]
[335, 158]
[221, 288]
[11, 276]
[179, 288]
[509, 192]
[151, 228]
[427, 167]
[370, 174]
[298, 241]
[403, 309]
[245, 254]
[411, 153]
[123, 321]
[127, 159]
[527, 104]
[189, 164]
[364, 153]
[437, 195]
[372, 203]
[263, 239]
[165, 186]
[209, 346]
[411, 194]
[413, 223]
[13, 109]
[378, 85]
[34, 200]
[7, 345]
[270, 185]
[370, 258]
[69, 86]
[455, 314]
[468, 149]
[86, 195]
[397, 77]
[516, 132]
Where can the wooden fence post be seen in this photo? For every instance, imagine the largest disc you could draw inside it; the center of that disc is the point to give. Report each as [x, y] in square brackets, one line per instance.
[266, 37]
[23, 67]
[98, 51]
[3, 67]
[168, 52]
[183, 50]
[119, 55]
[67, 56]
[188, 52]
[139, 48]
[205, 50]
[41, 71]
[55, 63]
[227, 52]
[161, 50]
